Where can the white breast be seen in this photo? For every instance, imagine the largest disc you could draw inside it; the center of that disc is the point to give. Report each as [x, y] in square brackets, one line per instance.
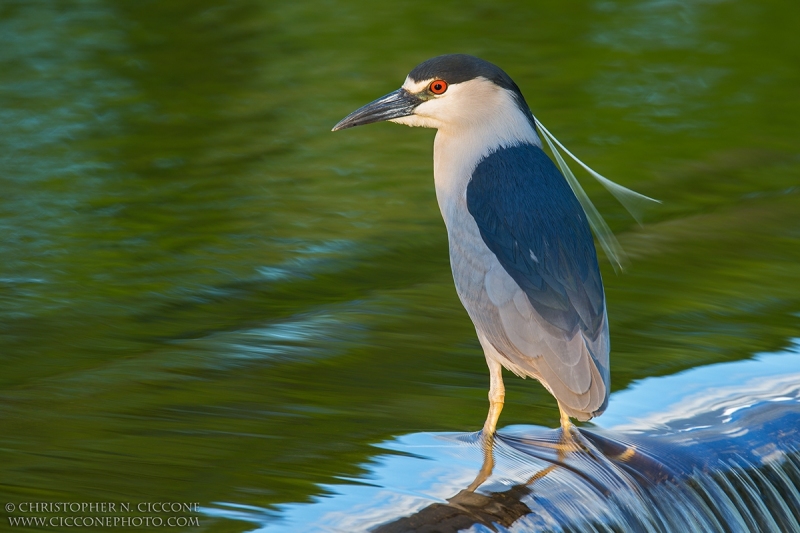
[497, 122]
[456, 154]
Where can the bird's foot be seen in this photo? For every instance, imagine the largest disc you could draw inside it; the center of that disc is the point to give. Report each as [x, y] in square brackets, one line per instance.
[627, 455]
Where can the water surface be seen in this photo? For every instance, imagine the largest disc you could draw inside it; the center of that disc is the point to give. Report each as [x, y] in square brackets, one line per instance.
[207, 296]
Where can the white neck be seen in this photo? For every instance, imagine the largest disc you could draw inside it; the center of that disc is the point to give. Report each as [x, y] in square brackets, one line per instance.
[473, 118]
[457, 151]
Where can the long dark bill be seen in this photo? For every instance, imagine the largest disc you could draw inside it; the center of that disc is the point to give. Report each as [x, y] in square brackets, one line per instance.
[399, 103]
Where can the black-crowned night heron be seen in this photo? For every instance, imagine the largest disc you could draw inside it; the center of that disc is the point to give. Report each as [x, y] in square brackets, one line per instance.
[521, 249]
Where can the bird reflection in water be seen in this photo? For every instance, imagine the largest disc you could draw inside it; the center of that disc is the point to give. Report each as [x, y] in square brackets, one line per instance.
[740, 476]
[525, 269]
[717, 451]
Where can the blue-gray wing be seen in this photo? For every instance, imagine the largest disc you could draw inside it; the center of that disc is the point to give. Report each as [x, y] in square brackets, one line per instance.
[533, 223]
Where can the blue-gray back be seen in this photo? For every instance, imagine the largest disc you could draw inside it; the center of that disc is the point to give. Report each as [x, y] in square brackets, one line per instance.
[532, 221]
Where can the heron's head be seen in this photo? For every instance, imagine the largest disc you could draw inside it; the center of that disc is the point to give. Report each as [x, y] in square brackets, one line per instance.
[450, 92]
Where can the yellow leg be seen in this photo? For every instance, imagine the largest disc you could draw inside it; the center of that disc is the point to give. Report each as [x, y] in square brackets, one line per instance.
[497, 395]
[568, 442]
[566, 425]
[565, 445]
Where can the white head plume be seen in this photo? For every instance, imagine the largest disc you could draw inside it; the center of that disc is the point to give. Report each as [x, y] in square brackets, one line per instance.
[631, 200]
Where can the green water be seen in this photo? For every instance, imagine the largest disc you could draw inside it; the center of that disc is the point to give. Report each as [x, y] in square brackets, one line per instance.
[205, 295]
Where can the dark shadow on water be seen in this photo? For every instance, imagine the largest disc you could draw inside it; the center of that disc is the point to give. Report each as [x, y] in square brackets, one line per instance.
[711, 449]
[740, 477]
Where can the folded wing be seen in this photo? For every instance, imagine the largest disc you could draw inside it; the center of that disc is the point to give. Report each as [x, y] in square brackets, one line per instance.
[546, 284]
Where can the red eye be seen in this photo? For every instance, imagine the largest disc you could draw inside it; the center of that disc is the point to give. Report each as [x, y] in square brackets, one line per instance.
[438, 86]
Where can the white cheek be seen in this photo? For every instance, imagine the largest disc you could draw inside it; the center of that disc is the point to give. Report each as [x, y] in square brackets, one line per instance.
[436, 108]
[416, 121]
[444, 110]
